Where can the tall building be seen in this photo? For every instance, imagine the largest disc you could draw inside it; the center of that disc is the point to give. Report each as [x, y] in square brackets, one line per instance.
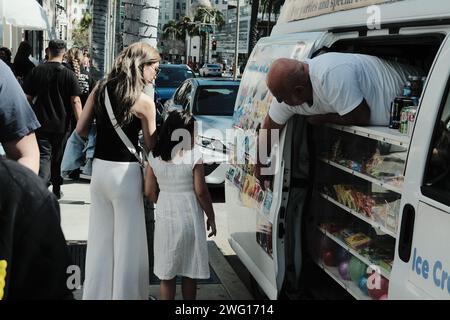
[171, 50]
[62, 20]
[78, 9]
[166, 10]
[226, 36]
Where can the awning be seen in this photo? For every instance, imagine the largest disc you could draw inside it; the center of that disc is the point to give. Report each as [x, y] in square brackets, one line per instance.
[26, 14]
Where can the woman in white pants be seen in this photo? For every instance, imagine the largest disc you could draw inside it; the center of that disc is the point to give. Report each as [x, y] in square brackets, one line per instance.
[117, 257]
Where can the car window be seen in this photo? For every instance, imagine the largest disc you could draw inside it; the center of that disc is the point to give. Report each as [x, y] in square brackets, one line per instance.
[186, 96]
[173, 77]
[179, 94]
[213, 66]
[183, 95]
[216, 101]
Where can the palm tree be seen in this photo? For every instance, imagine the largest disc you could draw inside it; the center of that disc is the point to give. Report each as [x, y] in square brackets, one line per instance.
[207, 15]
[271, 6]
[171, 30]
[253, 38]
[186, 28]
[266, 6]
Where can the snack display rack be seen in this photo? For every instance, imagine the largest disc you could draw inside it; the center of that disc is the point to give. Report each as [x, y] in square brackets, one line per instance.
[358, 185]
[375, 225]
[380, 183]
[383, 134]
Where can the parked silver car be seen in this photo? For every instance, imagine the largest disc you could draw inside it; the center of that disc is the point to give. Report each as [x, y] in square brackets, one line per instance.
[211, 101]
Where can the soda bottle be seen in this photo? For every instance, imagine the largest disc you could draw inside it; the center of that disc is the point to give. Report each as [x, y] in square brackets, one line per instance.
[407, 89]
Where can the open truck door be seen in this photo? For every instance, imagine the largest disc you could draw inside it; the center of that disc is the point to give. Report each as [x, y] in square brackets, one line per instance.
[256, 214]
[422, 262]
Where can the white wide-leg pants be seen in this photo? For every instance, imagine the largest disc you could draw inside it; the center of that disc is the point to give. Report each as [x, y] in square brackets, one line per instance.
[117, 257]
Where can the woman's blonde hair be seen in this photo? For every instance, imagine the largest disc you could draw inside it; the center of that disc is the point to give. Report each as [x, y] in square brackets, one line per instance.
[127, 77]
[74, 58]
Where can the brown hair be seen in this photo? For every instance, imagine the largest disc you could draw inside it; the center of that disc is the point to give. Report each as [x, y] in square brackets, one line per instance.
[74, 56]
[127, 76]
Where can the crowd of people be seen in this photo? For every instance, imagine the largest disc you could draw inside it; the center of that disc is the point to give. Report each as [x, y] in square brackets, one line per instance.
[40, 107]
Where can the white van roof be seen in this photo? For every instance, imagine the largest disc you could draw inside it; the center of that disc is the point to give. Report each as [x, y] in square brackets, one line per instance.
[401, 11]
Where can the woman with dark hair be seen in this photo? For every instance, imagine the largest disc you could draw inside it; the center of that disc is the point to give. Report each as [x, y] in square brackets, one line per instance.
[175, 181]
[5, 55]
[22, 65]
[117, 257]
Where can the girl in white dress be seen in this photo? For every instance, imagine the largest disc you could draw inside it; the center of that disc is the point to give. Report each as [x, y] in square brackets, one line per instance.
[175, 181]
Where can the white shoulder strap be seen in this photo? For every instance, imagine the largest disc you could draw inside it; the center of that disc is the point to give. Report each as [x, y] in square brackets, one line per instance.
[119, 130]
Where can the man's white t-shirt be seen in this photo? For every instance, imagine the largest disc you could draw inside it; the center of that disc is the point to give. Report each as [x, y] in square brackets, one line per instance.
[341, 81]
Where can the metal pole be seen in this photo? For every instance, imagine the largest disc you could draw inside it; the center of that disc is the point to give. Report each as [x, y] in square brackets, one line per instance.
[209, 44]
[236, 47]
[1, 23]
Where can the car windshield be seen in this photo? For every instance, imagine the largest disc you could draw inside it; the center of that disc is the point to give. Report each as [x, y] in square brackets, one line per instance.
[216, 101]
[213, 66]
[172, 77]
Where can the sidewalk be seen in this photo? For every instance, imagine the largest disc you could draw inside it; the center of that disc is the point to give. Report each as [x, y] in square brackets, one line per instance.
[224, 284]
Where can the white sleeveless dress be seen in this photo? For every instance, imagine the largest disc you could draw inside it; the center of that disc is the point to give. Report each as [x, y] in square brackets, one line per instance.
[180, 247]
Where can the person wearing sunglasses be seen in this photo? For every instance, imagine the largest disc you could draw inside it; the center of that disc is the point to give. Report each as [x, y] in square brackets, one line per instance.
[117, 266]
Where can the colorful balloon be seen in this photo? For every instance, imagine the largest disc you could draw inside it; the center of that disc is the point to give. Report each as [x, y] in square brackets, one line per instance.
[343, 270]
[343, 255]
[328, 258]
[356, 269]
[363, 285]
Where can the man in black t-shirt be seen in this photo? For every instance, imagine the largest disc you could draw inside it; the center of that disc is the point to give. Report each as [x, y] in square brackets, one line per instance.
[34, 257]
[17, 122]
[54, 93]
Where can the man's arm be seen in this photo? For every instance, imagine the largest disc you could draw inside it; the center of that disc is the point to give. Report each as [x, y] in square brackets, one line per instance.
[360, 116]
[76, 106]
[25, 151]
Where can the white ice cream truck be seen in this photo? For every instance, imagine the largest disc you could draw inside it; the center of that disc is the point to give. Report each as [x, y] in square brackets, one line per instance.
[365, 210]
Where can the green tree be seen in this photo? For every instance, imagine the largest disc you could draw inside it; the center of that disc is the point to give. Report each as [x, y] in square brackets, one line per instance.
[187, 28]
[271, 7]
[253, 37]
[171, 30]
[80, 35]
[208, 18]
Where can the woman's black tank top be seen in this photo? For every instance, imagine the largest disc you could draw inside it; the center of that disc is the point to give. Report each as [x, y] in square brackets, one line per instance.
[108, 145]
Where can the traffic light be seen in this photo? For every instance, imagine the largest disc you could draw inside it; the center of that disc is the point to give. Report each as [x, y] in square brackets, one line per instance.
[214, 44]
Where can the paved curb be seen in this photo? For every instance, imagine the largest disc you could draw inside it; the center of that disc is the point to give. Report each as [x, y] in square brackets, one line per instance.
[231, 282]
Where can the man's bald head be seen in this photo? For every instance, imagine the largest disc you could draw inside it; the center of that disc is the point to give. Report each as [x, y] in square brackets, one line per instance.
[285, 77]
